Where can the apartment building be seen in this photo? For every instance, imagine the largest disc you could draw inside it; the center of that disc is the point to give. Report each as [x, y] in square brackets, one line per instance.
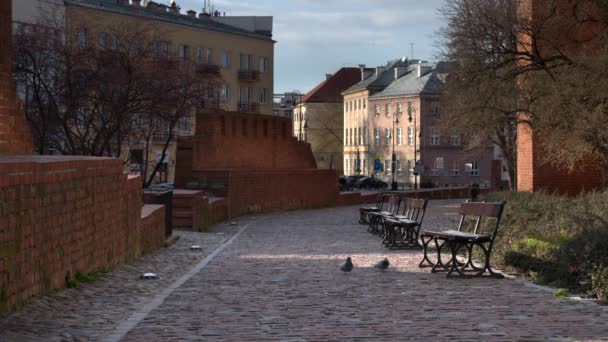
[400, 114]
[358, 158]
[319, 120]
[241, 49]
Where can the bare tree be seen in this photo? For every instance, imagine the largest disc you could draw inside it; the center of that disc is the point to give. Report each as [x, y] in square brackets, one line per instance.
[547, 71]
[98, 90]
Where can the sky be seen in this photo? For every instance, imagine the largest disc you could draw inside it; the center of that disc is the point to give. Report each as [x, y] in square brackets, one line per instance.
[318, 37]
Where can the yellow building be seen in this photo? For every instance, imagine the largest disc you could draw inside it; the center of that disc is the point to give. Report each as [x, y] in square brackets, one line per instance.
[241, 48]
[318, 118]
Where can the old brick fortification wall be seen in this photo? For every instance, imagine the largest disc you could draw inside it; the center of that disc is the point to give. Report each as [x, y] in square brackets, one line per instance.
[15, 137]
[62, 215]
[532, 173]
[255, 163]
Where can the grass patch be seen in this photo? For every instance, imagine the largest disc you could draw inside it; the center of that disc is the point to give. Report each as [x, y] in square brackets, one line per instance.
[555, 240]
[83, 278]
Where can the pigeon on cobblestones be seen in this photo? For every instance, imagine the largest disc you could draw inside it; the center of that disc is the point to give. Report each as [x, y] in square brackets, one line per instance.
[382, 264]
[347, 266]
[149, 276]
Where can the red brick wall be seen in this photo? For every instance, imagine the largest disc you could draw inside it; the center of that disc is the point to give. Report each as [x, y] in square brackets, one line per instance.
[532, 173]
[62, 215]
[15, 136]
[228, 140]
[152, 228]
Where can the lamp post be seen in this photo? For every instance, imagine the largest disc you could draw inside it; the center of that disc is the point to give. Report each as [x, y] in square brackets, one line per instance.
[394, 161]
[411, 112]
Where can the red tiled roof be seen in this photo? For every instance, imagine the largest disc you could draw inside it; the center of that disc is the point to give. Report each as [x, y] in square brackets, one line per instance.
[331, 89]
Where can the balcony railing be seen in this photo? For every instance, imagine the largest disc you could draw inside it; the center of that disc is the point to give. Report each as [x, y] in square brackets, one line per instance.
[249, 108]
[208, 69]
[249, 75]
[162, 137]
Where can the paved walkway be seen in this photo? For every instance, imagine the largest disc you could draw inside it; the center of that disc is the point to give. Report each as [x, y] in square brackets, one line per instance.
[279, 280]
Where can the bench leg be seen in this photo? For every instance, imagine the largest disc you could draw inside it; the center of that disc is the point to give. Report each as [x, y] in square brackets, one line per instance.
[425, 262]
[439, 262]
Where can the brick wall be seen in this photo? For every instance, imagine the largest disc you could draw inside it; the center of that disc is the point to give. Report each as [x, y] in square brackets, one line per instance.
[15, 137]
[62, 215]
[229, 140]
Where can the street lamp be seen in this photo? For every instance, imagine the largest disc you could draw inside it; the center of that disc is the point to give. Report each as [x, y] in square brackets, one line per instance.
[411, 112]
[394, 184]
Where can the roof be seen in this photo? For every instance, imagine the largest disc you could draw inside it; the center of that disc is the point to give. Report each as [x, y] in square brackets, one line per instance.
[331, 89]
[430, 83]
[179, 19]
[378, 81]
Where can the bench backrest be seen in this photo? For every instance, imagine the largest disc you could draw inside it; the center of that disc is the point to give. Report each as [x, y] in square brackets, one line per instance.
[481, 211]
[393, 204]
[413, 208]
[381, 201]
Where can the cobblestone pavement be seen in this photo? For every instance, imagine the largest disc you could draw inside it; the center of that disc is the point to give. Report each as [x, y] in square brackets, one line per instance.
[279, 280]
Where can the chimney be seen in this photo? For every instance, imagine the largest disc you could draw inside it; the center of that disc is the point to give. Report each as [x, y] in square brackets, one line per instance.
[379, 70]
[174, 9]
[400, 71]
[328, 76]
[422, 70]
[137, 3]
[366, 72]
[192, 13]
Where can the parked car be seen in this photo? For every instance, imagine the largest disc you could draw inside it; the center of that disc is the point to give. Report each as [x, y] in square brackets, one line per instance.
[348, 183]
[371, 183]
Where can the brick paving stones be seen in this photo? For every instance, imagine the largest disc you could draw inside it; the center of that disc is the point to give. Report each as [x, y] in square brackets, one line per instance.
[279, 281]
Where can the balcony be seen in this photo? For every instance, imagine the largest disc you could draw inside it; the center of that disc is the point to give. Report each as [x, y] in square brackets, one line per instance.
[208, 69]
[249, 75]
[249, 108]
[162, 137]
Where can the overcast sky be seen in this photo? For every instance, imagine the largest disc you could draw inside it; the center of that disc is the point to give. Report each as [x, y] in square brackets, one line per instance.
[317, 37]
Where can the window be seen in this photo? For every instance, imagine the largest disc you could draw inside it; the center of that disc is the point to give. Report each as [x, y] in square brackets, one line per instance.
[455, 139]
[438, 166]
[199, 55]
[435, 136]
[399, 136]
[399, 108]
[387, 109]
[377, 136]
[104, 39]
[345, 107]
[410, 108]
[387, 166]
[209, 56]
[263, 64]
[137, 157]
[365, 135]
[358, 104]
[346, 164]
[163, 49]
[184, 124]
[81, 39]
[435, 108]
[226, 92]
[410, 167]
[245, 62]
[364, 103]
[184, 53]
[264, 95]
[399, 170]
[225, 59]
[377, 110]
[455, 170]
[387, 132]
[475, 168]
[245, 95]
[410, 136]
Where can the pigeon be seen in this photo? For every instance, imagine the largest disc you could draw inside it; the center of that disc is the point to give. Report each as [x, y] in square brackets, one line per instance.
[196, 248]
[382, 264]
[347, 266]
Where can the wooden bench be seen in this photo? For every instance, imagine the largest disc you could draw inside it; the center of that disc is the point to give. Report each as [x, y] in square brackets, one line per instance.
[364, 211]
[375, 218]
[485, 215]
[402, 231]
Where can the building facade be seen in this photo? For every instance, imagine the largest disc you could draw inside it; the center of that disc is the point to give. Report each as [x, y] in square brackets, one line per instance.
[240, 49]
[318, 118]
[403, 118]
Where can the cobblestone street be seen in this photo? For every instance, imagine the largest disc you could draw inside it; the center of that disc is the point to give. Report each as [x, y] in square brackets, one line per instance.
[278, 279]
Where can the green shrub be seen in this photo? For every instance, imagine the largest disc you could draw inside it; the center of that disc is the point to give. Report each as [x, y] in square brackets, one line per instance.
[556, 240]
[599, 279]
[561, 293]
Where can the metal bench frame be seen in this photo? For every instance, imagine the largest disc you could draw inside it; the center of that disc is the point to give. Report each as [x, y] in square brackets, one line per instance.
[375, 218]
[456, 240]
[364, 211]
[403, 231]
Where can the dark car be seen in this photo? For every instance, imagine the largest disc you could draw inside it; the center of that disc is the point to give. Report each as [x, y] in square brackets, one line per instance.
[371, 183]
[347, 183]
